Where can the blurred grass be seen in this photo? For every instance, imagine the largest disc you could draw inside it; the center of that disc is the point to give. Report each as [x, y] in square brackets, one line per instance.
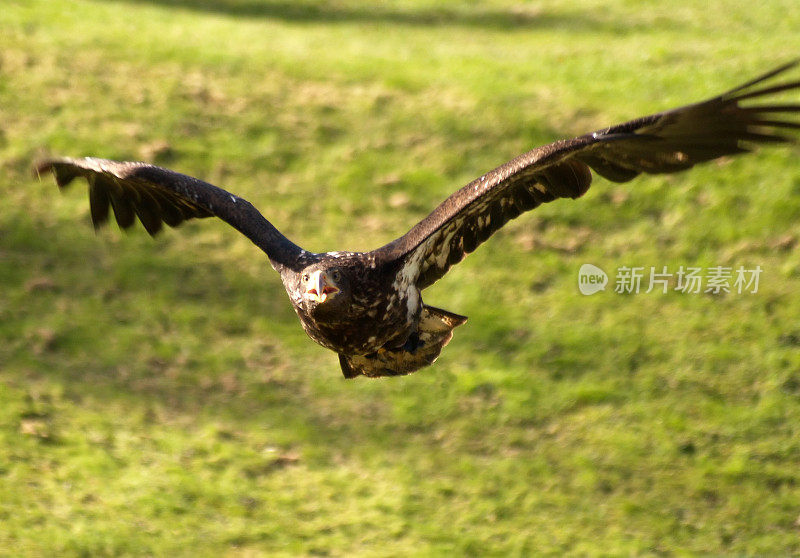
[159, 397]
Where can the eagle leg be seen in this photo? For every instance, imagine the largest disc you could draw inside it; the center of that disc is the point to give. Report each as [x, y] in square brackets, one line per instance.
[413, 343]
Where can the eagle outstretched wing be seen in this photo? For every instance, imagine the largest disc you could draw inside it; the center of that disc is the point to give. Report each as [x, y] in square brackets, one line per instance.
[666, 142]
[156, 196]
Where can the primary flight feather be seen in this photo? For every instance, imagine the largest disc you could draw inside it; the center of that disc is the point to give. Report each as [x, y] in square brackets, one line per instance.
[367, 306]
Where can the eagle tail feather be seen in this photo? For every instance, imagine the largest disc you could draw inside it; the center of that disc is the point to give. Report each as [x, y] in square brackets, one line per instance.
[434, 331]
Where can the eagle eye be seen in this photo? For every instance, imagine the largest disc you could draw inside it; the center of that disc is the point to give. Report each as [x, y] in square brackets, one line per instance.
[336, 275]
[305, 276]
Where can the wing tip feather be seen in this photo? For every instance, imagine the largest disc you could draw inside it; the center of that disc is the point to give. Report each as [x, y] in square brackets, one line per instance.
[63, 170]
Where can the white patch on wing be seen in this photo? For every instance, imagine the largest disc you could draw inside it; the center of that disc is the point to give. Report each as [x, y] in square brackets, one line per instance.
[413, 304]
[408, 273]
[405, 285]
[338, 255]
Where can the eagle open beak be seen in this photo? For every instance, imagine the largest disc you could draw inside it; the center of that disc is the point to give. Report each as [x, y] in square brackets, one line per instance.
[320, 287]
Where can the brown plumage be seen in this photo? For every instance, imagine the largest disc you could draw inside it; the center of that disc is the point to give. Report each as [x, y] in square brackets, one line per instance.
[367, 306]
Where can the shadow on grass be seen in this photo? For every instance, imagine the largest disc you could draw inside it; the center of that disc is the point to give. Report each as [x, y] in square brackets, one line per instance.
[474, 16]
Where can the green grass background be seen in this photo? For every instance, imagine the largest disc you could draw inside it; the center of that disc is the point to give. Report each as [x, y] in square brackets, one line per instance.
[159, 397]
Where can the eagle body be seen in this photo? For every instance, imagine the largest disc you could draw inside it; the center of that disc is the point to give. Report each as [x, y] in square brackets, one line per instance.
[380, 310]
[367, 306]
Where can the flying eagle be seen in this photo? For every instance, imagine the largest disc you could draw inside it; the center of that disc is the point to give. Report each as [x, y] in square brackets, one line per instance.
[366, 306]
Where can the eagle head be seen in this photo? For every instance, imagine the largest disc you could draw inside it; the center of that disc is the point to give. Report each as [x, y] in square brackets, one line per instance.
[324, 289]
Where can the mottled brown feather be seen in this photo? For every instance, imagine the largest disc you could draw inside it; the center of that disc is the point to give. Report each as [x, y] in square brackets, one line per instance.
[665, 142]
